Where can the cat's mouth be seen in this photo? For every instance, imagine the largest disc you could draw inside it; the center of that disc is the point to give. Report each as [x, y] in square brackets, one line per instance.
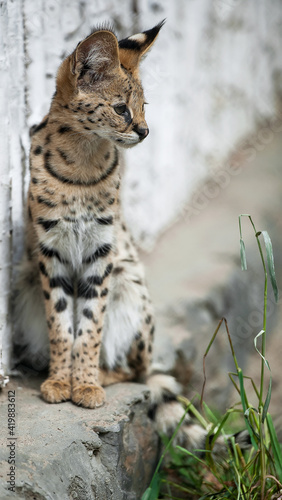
[128, 141]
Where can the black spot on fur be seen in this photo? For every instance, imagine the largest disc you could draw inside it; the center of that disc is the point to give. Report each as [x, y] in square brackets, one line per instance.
[108, 270]
[79, 333]
[51, 252]
[117, 270]
[104, 292]
[87, 313]
[104, 221]
[102, 251]
[141, 345]
[62, 282]
[137, 282]
[42, 269]
[64, 128]
[46, 294]
[46, 202]
[38, 150]
[61, 305]
[85, 290]
[95, 280]
[139, 360]
[48, 139]
[148, 319]
[47, 223]
[40, 126]
[65, 157]
[29, 213]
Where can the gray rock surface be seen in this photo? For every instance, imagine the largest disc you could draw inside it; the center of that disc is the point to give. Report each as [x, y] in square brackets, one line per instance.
[66, 452]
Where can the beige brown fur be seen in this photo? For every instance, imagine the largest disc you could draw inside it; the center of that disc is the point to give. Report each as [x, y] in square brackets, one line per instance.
[97, 307]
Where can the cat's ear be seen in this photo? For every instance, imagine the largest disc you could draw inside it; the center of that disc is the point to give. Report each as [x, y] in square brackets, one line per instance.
[133, 48]
[96, 56]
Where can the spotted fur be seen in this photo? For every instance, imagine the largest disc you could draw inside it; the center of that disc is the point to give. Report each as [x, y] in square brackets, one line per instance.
[80, 259]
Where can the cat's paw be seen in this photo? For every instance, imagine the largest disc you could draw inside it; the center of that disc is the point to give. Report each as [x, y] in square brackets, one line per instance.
[89, 396]
[55, 391]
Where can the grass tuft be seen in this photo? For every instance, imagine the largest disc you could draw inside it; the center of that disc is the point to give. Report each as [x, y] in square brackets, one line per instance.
[255, 474]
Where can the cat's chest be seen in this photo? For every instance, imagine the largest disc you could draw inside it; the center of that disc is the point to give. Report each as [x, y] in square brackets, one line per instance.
[81, 228]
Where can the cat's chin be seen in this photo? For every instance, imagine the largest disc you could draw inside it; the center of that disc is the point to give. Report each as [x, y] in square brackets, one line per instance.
[127, 144]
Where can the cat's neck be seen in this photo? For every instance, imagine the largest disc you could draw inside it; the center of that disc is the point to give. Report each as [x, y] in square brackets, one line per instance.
[82, 156]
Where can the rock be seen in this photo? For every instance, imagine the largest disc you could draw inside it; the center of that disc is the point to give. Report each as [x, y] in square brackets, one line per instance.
[67, 452]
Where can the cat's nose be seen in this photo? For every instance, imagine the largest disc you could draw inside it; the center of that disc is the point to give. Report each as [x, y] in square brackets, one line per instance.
[141, 131]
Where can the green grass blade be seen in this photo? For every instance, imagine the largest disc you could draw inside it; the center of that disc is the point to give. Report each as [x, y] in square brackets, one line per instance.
[179, 487]
[267, 400]
[247, 415]
[243, 255]
[190, 454]
[268, 395]
[270, 263]
[242, 390]
[244, 401]
[211, 416]
[152, 493]
[220, 427]
[147, 494]
[155, 487]
[277, 455]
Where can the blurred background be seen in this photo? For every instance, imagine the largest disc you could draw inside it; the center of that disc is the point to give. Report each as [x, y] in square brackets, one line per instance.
[213, 81]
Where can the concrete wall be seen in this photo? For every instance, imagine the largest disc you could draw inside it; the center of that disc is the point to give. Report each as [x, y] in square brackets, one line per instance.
[213, 75]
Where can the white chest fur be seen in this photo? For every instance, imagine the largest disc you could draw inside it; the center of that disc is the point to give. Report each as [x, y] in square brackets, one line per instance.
[77, 239]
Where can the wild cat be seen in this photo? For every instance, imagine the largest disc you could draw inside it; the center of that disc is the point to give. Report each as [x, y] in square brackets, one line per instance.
[80, 260]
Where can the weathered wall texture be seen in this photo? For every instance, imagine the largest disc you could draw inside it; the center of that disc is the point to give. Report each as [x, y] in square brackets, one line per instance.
[213, 75]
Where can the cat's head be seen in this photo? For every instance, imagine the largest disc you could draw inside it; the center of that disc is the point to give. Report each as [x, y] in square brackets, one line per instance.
[99, 85]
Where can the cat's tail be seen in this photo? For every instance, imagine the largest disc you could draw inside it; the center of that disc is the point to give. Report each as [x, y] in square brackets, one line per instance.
[167, 412]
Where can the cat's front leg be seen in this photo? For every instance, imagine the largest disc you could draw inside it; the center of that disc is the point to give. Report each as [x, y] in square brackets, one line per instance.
[92, 294]
[58, 295]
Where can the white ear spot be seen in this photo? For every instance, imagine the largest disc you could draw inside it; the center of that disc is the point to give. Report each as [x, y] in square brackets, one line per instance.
[140, 37]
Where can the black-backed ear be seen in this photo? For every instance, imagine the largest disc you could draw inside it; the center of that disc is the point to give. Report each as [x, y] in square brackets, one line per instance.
[96, 56]
[133, 48]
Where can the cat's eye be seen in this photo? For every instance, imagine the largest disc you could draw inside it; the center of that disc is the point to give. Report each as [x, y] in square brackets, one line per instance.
[120, 109]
